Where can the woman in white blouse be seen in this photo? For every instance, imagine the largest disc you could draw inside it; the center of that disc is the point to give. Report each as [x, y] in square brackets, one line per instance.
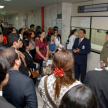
[56, 38]
[60, 81]
[21, 31]
[72, 37]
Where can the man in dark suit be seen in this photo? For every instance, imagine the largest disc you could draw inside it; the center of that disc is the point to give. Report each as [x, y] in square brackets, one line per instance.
[4, 76]
[97, 81]
[20, 90]
[80, 49]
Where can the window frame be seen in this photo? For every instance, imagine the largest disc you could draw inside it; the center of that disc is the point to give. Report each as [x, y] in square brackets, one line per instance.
[92, 50]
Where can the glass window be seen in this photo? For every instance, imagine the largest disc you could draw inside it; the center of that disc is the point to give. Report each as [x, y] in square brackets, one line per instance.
[87, 31]
[97, 39]
[98, 32]
[99, 26]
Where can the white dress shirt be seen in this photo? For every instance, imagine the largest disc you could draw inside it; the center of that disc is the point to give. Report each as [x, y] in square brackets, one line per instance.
[82, 39]
[1, 93]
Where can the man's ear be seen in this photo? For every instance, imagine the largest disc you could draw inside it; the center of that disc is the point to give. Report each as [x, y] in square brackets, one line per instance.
[17, 62]
[14, 43]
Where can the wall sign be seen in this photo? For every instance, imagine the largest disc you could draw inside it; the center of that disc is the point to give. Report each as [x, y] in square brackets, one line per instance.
[59, 21]
[93, 8]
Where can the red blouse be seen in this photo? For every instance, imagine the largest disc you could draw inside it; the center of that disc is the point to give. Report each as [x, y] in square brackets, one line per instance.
[4, 39]
[42, 48]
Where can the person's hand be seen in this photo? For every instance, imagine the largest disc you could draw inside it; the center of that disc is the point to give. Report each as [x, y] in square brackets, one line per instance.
[77, 50]
[37, 71]
[74, 50]
[57, 46]
[102, 64]
[29, 73]
[46, 59]
[53, 52]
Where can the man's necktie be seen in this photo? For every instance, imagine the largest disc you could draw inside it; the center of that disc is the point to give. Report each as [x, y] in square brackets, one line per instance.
[79, 41]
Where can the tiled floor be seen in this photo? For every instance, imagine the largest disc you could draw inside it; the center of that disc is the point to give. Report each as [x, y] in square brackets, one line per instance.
[40, 101]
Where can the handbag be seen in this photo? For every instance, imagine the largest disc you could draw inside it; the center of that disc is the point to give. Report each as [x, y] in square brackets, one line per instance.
[47, 94]
[34, 73]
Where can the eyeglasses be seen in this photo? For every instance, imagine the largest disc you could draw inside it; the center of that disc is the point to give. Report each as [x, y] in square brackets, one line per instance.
[19, 56]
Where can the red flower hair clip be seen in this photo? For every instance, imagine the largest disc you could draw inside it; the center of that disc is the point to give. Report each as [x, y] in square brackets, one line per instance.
[58, 72]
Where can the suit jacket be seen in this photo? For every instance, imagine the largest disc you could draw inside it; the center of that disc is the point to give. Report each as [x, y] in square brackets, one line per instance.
[5, 104]
[98, 82]
[81, 57]
[104, 53]
[29, 61]
[20, 90]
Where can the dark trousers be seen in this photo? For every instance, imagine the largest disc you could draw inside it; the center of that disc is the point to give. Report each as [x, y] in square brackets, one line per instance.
[80, 70]
[34, 79]
[33, 52]
[41, 65]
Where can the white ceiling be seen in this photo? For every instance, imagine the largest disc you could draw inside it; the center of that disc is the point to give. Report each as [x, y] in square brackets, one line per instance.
[15, 6]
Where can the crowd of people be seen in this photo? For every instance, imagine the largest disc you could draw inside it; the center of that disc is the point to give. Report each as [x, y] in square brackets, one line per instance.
[21, 61]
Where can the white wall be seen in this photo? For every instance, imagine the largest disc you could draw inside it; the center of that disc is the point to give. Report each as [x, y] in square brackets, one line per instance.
[66, 17]
[50, 15]
[93, 61]
[18, 20]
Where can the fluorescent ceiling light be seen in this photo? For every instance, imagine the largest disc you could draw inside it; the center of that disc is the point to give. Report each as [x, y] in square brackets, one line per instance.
[1, 7]
[7, 0]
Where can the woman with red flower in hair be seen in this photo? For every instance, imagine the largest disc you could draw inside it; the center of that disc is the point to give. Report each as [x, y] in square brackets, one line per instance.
[52, 88]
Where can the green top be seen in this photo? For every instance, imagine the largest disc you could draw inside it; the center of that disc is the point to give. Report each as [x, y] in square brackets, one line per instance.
[104, 53]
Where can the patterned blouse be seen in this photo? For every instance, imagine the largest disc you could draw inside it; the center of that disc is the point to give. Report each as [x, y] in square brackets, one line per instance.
[50, 82]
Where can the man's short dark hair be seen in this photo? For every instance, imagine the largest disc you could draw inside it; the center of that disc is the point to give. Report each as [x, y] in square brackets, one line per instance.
[107, 32]
[55, 27]
[11, 38]
[10, 55]
[1, 33]
[4, 68]
[84, 31]
[79, 96]
[3, 47]
[32, 25]
[10, 30]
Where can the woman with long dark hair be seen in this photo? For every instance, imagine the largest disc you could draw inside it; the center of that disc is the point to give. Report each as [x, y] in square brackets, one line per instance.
[60, 81]
[51, 44]
[79, 96]
[31, 65]
[42, 50]
[56, 38]
[30, 36]
[37, 32]
[72, 37]
[21, 32]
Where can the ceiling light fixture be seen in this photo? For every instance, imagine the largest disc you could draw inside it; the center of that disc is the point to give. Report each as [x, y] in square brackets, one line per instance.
[7, 0]
[1, 7]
